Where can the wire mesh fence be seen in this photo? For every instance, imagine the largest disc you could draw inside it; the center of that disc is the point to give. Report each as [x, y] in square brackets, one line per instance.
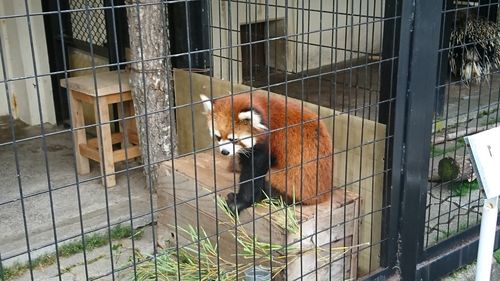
[220, 140]
[470, 104]
[83, 11]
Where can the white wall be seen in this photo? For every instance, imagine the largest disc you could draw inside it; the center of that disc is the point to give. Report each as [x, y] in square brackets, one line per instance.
[19, 63]
[303, 51]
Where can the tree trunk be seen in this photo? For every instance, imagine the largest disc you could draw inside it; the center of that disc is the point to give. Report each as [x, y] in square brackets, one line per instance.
[151, 82]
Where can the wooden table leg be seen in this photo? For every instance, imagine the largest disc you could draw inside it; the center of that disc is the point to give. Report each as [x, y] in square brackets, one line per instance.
[129, 127]
[132, 124]
[123, 123]
[78, 121]
[105, 143]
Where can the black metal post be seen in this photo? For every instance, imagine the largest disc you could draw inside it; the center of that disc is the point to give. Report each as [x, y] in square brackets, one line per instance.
[417, 80]
[56, 55]
[388, 82]
[116, 32]
[198, 38]
[443, 66]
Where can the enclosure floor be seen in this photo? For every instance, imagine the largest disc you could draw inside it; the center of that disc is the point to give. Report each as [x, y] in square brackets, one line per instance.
[99, 262]
[465, 102]
[32, 179]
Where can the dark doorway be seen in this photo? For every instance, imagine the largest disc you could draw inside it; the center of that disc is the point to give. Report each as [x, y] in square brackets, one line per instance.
[58, 54]
[253, 50]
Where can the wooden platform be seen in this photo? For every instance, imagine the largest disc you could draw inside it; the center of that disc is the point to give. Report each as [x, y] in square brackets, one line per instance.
[191, 203]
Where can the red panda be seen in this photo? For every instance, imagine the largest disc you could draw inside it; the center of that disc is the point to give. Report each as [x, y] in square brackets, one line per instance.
[299, 149]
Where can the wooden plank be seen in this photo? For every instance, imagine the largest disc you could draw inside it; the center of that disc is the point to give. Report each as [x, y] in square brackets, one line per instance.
[304, 268]
[360, 148]
[186, 213]
[105, 144]
[107, 83]
[132, 152]
[355, 241]
[116, 98]
[83, 97]
[77, 120]
[133, 138]
[115, 138]
[328, 225]
[129, 127]
[90, 152]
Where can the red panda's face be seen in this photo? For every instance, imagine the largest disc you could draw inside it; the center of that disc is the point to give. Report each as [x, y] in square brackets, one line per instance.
[236, 135]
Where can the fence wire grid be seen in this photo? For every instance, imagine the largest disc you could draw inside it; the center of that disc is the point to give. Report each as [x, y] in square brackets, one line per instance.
[469, 102]
[236, 140]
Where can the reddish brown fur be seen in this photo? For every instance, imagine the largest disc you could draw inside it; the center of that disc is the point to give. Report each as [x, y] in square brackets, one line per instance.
[281, 180]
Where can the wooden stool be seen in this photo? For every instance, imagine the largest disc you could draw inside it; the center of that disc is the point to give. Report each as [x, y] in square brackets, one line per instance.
[82, 89]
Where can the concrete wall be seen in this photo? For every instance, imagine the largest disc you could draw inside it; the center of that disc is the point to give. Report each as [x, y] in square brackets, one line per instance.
[19, 63]
[351, 27]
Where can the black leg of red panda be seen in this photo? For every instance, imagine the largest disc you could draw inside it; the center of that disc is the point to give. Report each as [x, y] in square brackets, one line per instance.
[254, 166]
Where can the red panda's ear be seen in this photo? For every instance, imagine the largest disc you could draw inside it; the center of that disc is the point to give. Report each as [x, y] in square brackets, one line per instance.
[207, 104]
[252, 117]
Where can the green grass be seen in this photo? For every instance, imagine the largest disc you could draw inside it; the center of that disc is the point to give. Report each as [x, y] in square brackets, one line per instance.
[70, 267]
[92, 242]
[463, 188]
[461, 227]
[12, 271]
[483, 113]
[460, 270]
[438, 150]
[496, 255]
[492, 121]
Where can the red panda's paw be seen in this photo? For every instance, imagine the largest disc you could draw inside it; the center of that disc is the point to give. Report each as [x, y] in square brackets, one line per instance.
[235, 204]
[231, 202]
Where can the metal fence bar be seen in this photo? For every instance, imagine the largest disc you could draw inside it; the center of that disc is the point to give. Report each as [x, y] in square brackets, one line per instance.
[420, 27]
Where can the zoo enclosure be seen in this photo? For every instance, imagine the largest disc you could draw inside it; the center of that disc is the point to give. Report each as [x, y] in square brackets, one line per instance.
[379, 61]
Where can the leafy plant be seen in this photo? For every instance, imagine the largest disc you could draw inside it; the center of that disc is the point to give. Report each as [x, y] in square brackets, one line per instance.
[496, 255]
[462, 188]
[206, 264]
[282, 216]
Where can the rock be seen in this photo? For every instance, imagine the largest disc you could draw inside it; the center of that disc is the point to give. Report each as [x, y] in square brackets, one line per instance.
[448, 169]
[459, 169]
